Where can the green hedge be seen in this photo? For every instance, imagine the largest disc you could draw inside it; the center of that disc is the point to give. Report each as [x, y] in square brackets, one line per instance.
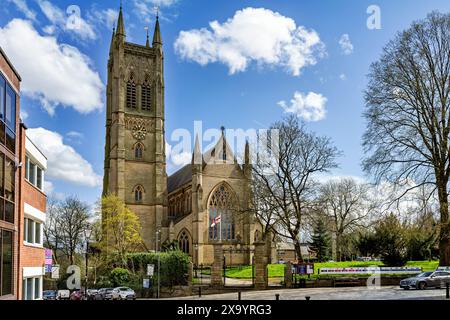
[174, 266]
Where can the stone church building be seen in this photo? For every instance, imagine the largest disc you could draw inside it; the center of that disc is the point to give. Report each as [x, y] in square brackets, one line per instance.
[185, 207]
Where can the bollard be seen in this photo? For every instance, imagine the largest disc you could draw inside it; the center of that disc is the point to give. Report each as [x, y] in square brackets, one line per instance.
[447, 291]
[199, 292]
[308, 298]
[277, 297]
[239, 295]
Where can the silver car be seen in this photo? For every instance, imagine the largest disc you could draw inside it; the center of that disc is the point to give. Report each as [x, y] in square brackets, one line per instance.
[429, 279]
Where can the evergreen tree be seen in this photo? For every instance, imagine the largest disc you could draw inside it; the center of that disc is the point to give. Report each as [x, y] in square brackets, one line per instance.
[320, 243]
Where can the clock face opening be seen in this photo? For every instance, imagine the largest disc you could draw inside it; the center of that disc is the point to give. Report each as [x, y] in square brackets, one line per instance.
[139, 132]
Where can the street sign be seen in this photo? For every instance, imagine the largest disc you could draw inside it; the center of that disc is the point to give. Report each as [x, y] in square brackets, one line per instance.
[146, 283]
[150, 270]
[55, 271]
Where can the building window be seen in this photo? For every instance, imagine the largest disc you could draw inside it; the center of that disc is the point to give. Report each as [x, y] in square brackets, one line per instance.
[32, 288]
[32, 232]
[146, 96]
[221, 224]
[34, 174]
[6, 262]
[7, 115]
[7, 189]
[131, 93]
[138, 151]
[183, 242]
[138, 193]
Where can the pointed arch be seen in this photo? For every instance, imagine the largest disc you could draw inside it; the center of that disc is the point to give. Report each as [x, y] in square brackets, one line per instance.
[138, 192]
[146, 94]
[221, 204]
[131, 91]
[184, 241]
[138, 149]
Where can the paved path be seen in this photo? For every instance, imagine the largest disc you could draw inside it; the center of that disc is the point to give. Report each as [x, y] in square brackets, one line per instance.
[355, 293]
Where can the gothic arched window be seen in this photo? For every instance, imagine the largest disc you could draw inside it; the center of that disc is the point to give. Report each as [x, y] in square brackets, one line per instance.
[131, 93]
[138, 150]
[221, 222]
[146, 96]
[183, 242]
[138, 193]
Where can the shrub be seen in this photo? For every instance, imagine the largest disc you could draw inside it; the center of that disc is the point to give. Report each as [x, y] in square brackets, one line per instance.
[174, 266]
[120, 277]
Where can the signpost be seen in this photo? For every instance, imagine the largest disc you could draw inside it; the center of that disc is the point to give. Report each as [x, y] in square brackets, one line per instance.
[146, 283]
[150, 270]
[55, 271]
[48, 260]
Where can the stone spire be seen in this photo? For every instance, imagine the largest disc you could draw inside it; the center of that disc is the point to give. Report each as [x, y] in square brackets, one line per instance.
[120, 24]
[111, 46]
[197, 157]
[247, 153]
[157, 39]
[147, 43]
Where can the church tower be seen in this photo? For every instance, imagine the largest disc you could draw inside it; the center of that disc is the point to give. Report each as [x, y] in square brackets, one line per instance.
[135, 160]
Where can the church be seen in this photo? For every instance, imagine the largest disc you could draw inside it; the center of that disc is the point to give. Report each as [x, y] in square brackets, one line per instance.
[204, 202]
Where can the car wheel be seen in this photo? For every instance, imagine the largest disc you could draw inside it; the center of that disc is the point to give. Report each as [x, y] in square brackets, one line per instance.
[422, 285]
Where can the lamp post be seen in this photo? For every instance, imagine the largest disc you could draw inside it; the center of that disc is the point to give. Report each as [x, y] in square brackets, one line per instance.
[196, 258]
[158, 235]
[87, 234]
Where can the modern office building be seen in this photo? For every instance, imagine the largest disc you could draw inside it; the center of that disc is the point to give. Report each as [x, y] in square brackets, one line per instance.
[31, 219]
[9, 178]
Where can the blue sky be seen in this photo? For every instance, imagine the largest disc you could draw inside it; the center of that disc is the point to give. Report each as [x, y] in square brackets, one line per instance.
[66, 114]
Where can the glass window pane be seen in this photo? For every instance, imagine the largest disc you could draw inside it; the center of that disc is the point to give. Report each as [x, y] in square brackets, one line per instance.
[32, 178]
[27, 170]
[24, 289]
[7, 263]
[9, 211]
[10, 109]
[2, 169]
[30, 231]
[10, 140]
[25, 230]
[37, 233]
[39, 178]
[29, 288]
[2, 96]
[9, 180]
[37, 288]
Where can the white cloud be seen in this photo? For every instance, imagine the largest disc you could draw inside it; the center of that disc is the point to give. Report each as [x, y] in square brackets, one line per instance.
[145, 9]
[66, 21]
[252, 35]
[177, 159]
[23, 114]
[342, 76]
[74, 134]
[310, 107]
[54, 73]
[346, 44]
[22, 6]
[64, 163]
[48, 187]
[106, 17]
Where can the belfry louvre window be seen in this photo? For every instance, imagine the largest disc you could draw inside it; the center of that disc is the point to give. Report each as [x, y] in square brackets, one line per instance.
[146, 96]
[138, 192]
[131, 93]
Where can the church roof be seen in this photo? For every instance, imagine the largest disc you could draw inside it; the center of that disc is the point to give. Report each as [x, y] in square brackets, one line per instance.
[184, 175]
[179, 178]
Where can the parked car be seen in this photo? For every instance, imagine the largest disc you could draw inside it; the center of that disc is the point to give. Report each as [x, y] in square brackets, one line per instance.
[63, 295]
[76, 295]
[123, 293]
[49, 295]
[105, 293]
[429, 279]
[91, 294]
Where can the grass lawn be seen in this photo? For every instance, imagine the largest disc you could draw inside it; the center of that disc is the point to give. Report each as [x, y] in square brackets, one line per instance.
[277, 270]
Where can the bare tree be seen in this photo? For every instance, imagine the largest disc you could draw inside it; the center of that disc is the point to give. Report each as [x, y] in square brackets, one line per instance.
[347, 205]
[284, 189]
[72, 223]
[407, 110]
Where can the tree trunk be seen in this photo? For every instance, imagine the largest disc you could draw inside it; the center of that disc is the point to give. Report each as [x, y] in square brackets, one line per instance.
[298, 251]
[338, 247]
[444, 241]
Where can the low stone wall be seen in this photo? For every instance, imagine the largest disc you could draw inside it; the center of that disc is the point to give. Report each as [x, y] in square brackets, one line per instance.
[352, 281]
